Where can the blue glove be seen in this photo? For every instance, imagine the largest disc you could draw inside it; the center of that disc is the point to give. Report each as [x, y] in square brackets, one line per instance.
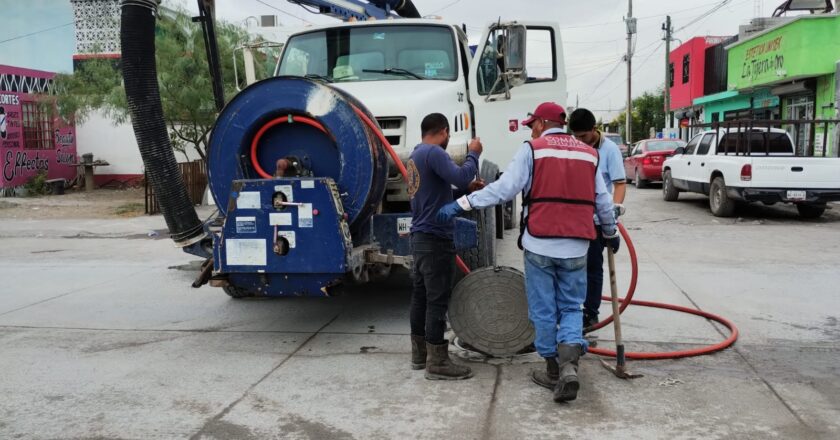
[612, 239]
[449, 212]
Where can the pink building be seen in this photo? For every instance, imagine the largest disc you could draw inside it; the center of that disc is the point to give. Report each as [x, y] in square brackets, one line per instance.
[33, 138]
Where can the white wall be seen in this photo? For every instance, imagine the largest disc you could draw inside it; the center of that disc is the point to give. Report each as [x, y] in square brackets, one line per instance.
[114, 144]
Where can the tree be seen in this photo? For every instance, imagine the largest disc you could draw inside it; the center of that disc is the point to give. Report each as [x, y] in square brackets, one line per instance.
[648, 112]
[183, 76]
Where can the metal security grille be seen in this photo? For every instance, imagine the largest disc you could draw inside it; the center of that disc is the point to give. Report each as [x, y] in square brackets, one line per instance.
[37, 127]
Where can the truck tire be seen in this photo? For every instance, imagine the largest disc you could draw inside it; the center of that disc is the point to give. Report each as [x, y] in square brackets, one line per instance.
[238, 292]
[810, 210]
[670, 193]
[720, 203]
[640, 183]
[481, 256]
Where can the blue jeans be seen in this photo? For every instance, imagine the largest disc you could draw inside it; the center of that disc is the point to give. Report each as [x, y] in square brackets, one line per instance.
[595, 276]
[556, 289]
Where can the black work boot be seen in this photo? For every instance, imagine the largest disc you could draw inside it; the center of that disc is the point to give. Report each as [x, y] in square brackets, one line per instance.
[567, 383]
[547, 378]
[440, 367]
[418, 352]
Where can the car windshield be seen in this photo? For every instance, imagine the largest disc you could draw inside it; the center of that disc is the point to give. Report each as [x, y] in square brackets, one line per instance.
[663, 145]
[615, 138]
[372, 53]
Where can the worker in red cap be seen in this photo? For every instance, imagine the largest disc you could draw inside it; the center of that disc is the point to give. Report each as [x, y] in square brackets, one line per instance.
[563, 190]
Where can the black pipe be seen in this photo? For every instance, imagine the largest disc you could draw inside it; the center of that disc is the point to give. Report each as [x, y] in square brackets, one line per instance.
[137, 37]
[405, 8]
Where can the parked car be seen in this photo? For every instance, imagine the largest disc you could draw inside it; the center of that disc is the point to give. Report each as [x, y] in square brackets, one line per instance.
[615, 137]
[644, 163]
[758, 165]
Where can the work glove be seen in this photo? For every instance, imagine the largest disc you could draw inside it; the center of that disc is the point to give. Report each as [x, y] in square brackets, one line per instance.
[612, 238]
[448, 212]
[618, 210]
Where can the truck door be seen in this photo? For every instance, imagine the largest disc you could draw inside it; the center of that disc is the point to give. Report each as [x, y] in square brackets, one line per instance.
[680, 163]
[698, 166]
[499, 108]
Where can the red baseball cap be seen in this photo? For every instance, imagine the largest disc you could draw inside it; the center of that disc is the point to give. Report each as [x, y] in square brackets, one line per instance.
[548, 111]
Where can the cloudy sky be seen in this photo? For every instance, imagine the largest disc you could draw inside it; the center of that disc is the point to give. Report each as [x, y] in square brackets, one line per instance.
[592, 30]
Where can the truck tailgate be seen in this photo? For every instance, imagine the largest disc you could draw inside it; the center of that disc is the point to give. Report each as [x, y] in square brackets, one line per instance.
[795, 172]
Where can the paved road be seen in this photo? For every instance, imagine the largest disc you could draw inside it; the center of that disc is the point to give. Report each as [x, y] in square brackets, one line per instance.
[102, 337]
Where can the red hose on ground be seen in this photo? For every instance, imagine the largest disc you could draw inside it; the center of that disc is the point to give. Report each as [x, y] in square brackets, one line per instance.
[458, 261]
[628, 299]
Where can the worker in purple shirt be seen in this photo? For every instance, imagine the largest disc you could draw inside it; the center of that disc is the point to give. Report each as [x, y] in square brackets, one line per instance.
[431, 175]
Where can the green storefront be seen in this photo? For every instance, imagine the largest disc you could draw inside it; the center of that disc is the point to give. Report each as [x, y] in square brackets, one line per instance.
[795, 62]
[733, 105]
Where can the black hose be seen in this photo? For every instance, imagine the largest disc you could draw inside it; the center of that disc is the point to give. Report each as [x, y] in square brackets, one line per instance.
[405, 8]
[137, 37]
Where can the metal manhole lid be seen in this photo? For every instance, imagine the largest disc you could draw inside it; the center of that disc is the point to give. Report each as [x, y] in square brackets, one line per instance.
[489, 311]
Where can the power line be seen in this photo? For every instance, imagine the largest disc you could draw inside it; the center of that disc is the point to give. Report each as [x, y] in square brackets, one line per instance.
[704, 15]
[35, 33]
[446, 7]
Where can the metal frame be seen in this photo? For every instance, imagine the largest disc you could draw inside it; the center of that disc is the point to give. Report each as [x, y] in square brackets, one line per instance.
[751, 126]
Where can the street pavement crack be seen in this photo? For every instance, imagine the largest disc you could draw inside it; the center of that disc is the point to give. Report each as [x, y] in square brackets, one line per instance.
[491, 409]
[228, 408]
[735, 348]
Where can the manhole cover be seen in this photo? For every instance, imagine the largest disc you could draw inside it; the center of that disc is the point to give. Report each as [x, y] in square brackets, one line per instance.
[489, 311]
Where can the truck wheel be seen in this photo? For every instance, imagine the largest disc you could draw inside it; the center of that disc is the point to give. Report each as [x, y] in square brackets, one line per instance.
[238, 292]
[810, 211]
[640, 184]
[669, 192]
[720, 203]
[481, 256]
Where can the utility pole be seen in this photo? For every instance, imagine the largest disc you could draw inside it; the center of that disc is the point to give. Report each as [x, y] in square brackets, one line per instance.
[631, 29]
[668, 30]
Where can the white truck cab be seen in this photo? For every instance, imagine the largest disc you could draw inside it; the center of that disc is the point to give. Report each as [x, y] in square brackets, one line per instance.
[404, 69]
[733, 165]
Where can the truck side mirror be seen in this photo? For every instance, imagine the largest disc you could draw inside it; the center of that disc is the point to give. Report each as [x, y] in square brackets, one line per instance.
[514, 53]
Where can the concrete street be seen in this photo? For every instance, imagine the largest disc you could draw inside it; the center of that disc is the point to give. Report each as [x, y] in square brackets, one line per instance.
[101, 336]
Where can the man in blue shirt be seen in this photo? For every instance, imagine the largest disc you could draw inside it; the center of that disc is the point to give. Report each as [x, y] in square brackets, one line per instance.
[611, 166]
[431, 175]
[555, 275]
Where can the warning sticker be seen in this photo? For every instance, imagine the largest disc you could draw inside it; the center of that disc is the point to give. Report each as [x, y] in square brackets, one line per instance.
[287, 190]
[289, 236]
[307, 184]
[246, 225]
[245, 252]
[248, 200]
[280, 219]
[305, 215]
[404, 225]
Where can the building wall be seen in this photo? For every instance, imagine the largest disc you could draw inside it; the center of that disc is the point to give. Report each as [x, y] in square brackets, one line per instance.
[682, 94]
[33, 139]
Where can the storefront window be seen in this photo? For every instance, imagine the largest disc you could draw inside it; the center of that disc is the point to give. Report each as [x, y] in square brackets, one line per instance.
[799, 108]
[37, 127]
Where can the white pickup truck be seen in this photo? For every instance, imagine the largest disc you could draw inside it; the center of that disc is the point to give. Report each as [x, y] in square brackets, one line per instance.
[755, 165]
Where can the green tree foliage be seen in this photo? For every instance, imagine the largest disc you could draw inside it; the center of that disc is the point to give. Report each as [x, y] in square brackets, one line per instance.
[648, 112]
[183, 75]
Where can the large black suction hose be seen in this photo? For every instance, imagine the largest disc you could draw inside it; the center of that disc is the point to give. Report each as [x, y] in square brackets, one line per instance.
[405, 8]
[137, 37]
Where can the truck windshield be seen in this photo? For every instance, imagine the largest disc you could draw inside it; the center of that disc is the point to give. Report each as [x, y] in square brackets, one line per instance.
[372, 53]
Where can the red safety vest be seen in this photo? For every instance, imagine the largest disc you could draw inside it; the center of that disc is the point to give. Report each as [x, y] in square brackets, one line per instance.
[561, 201]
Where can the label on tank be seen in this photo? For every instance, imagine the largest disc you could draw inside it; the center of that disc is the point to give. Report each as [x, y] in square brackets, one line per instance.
[307, 184]
[286, 190]
[404, 225]
[289, 236]
[280, 219]
[305, 215]
[248, 200]
[246, 225]
[245, 252]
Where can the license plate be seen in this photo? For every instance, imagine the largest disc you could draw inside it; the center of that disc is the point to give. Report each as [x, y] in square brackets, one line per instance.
[796, 195]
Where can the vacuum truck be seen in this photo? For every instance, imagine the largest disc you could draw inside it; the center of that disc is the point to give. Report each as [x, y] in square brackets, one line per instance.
[305, 167]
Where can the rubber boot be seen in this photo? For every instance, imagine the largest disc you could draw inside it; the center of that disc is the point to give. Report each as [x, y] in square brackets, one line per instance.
[440, 367]
[549, 377]
[567, 384]
[418, 352]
